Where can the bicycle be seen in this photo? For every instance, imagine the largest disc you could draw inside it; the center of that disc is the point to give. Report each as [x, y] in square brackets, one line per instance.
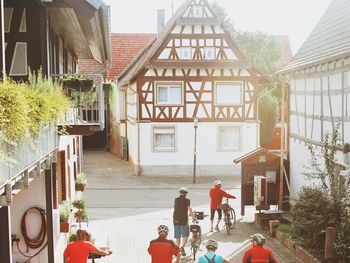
[195, 229]
[229, 216]
[94, 256]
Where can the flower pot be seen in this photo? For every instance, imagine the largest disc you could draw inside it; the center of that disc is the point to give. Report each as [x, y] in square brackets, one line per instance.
[79, 187]
[86, 83]
[64, 227]
[71, 83]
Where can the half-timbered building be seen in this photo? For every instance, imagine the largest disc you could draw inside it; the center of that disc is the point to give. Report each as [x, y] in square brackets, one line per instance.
[51, 36]
[319, 82]
[194, 70]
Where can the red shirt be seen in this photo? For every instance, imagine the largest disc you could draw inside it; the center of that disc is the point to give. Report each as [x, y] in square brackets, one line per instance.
[162, 250]
[216, 195]
[78, 251]
[258, 254]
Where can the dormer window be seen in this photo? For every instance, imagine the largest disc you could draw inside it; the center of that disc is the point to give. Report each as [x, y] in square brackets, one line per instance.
[197, 11]
[186, 53]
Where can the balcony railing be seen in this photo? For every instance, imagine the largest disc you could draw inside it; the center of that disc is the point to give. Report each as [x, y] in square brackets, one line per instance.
[28, 154]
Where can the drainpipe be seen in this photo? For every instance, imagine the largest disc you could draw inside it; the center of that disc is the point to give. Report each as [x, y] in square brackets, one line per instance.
[138, 134]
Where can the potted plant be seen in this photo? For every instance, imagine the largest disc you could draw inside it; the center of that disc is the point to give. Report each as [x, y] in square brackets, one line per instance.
[64, 210]
[79, 204]
[80, 183]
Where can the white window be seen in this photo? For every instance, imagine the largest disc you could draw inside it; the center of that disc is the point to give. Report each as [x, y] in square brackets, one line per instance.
[7, 19]
[197, 11]
[164, 138]
[186, 53]
[229, 138]
[169, 94]
[19, 64]
[209, 53]
[228, 93]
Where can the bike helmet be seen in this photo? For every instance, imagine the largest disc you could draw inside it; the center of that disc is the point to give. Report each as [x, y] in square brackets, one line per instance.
[183, 190]
[217, 182]
[163, 229]
[212, 244]
[258, 238]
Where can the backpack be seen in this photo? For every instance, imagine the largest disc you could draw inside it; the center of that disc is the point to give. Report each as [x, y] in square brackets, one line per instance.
[210, 260]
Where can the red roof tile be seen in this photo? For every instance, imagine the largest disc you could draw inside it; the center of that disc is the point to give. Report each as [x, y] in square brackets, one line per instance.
[283, 41]
[125, 47]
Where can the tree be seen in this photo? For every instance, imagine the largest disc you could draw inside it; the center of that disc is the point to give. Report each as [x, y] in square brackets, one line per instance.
[268, 106]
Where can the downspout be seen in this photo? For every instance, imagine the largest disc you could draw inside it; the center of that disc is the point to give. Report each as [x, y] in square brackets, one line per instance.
[138, 134]
[257, 113]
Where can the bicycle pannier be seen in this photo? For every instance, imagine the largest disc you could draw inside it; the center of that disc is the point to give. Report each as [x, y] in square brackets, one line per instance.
[199, 215]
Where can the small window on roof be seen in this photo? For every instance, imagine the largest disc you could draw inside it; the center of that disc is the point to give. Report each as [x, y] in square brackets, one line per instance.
[197, 11]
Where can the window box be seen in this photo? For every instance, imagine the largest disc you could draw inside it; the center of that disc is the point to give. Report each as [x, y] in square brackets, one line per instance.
[163, 139]
[228, 93]
[169, 94]
[229, 138]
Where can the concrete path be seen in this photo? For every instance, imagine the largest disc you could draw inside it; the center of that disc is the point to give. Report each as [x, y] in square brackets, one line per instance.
[125, 211]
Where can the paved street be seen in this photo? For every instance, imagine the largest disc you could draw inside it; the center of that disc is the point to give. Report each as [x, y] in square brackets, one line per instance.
[125, 211]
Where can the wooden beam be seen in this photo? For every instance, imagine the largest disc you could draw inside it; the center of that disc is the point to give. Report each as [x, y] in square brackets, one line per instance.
[6, 200]
[2, 40]
[5, 235]
[49, 215]
[198, 21]
[44, 41]
[198, 64]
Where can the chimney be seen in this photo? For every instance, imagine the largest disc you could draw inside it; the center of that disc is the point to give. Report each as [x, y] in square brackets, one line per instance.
[161, 20]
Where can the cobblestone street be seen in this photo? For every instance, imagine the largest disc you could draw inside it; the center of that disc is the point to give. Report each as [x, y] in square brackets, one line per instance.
[125, 211]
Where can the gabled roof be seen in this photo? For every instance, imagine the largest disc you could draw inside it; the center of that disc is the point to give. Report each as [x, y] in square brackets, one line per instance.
[253, 153]
[329, 40]
[283, 42]
[125, 48]
[144, 57]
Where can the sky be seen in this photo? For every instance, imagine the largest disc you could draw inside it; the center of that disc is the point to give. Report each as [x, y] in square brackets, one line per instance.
[295, 18]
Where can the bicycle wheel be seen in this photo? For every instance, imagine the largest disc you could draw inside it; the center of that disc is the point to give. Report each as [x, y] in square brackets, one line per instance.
[193, 249]
[233, 217]
[227, 223]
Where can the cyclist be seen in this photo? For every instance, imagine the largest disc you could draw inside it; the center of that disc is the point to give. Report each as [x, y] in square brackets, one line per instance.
[258, 253]
[210, 256]
[180, 218]
[78, 251]
[161, 249]
[216, 195]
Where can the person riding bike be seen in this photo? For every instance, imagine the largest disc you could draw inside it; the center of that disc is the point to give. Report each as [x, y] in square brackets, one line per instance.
[216, 195]
[180, 218]
[161, 249]
[210, 256]
[258, 254]
[78, 251]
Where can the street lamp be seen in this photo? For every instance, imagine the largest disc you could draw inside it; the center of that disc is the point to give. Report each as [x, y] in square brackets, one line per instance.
[195, 125]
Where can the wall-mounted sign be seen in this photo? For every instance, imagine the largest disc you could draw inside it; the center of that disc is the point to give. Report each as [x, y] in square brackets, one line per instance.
[262, 158]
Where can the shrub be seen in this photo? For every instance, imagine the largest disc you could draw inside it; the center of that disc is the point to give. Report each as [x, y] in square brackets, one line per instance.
[80, 183]
[65, 211]
[311, 215]
[343, 236]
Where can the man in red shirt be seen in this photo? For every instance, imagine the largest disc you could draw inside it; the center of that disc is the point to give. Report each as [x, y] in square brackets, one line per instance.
[216, 195]
[258, 254]
[161, 249]
[78, 251]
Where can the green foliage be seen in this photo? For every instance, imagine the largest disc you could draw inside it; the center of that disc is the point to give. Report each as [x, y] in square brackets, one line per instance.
[343, 235]
[65, 211]
[79, 204]
[223, 16]
[310, 216]
[268, 106]
[84, 99]
[286, 229]
[74, 77]
[81, 180]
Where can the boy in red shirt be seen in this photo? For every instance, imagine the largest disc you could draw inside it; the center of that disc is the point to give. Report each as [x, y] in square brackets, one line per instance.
[216, 195]
[78, 251]
[161, 249]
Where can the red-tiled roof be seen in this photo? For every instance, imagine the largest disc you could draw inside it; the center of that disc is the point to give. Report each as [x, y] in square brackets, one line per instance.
[125, 47]
[283, 41]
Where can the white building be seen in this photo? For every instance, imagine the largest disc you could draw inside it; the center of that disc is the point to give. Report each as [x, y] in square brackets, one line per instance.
[193, 70]
[320, 90]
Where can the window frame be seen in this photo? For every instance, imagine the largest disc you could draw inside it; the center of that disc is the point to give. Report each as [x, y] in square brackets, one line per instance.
[182, 51]
[205, 53]
[227, 83]
[197, 7]
[229, 149]
[169, 84]
[165, 127]
[11, 73]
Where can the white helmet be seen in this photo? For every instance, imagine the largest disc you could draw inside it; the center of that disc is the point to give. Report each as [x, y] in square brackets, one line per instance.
[212, 244]
[258, 238]
[163, 229]
[217, 182]
[183, 190]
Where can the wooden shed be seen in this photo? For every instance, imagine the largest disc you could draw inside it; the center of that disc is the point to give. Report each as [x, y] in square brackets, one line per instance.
[258, 167]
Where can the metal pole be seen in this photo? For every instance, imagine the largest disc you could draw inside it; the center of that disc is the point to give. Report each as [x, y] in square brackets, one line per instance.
[280, 199]
[195, 154]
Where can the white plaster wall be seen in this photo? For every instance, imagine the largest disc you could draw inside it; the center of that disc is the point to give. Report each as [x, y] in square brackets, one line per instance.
[207, 152]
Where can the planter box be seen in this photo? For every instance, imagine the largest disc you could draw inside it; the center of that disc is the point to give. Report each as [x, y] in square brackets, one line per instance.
[86, 83]
[297, 250]
[71, 83]
[64, 227]
[80, 188]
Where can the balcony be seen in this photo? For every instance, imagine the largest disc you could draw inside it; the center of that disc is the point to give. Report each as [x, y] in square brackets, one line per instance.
[87, 114]
[26, 162]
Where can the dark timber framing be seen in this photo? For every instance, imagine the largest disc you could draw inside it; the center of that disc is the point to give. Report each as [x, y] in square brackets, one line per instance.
[49, 174]
[5, 235]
